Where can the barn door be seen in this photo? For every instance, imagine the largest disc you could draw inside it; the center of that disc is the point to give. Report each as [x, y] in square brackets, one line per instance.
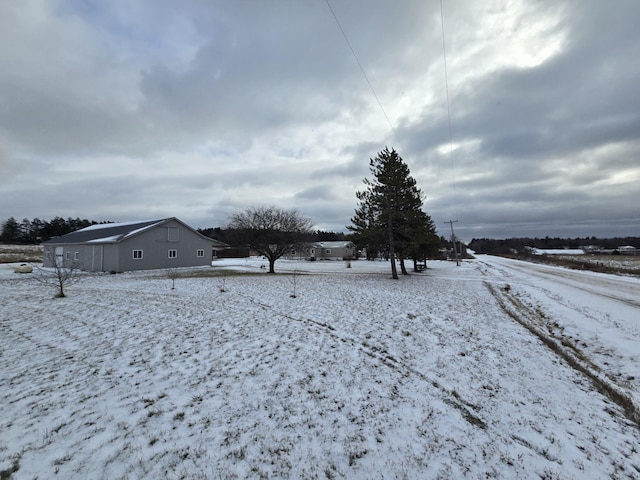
[59, 255]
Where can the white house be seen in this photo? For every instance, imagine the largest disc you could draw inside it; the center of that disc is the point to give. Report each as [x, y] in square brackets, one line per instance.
[343, 250]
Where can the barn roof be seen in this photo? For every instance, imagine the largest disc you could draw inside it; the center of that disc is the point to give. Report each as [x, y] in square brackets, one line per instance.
[115, 232]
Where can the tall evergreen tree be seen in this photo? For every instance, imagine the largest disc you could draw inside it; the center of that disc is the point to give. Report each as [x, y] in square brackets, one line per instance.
[37, 231]
[25, 231]
[10, 231]
[390, 207]
[57, 227]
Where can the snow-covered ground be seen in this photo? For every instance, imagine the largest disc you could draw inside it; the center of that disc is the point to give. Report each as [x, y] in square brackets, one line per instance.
[598, 313]
[557, 251]
[357, 376]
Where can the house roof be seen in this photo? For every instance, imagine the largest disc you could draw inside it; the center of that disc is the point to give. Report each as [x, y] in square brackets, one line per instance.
[116, 232]
[343, 244]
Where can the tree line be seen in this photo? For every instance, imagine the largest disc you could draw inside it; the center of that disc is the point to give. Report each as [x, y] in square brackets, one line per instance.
[36, 231]
[232, 236]
[509, 245]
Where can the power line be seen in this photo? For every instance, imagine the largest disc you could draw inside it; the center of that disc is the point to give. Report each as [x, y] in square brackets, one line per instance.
[446, 83]
[364, 74]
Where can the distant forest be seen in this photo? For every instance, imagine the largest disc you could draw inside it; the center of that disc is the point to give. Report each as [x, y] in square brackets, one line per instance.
[487, 245]
[231, 236]
[36, 231]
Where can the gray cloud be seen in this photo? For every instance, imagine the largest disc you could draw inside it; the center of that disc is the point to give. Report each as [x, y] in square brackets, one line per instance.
[147, 108]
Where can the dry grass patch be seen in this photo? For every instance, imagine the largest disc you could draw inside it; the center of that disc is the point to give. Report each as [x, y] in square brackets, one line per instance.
[20, 253]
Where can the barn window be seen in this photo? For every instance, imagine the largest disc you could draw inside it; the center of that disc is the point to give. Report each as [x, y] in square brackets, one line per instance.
[173, 253]
[327, 251]
[137, 254]
[200, 253]
[173, 234]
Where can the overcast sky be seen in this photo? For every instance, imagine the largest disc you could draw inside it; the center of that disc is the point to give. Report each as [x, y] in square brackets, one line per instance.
[141, 109]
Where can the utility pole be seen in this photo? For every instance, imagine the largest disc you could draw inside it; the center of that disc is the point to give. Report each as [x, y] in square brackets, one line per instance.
[453, 240]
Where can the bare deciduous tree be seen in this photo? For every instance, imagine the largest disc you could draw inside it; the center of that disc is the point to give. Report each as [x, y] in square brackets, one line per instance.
[172, 274]
[63, 273]
[271, 231]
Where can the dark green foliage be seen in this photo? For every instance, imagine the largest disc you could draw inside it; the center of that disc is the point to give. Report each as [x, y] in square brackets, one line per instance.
[234, 238]
[424, 243]
[367, 233]
[322, 236]
[33, 232]
[10, 231]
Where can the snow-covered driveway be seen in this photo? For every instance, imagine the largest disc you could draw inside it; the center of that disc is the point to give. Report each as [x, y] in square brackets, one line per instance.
[358, 376]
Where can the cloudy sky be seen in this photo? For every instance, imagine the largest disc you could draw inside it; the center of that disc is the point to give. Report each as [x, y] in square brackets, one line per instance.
[137, 109]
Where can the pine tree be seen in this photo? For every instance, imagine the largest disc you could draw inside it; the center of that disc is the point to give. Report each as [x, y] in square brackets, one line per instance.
[390, 207]
[10, 231]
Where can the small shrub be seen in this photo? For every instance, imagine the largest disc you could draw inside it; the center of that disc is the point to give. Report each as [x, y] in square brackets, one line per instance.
[179, 416]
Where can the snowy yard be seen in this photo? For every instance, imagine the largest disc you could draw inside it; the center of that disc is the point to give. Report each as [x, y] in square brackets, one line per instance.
[358, 376]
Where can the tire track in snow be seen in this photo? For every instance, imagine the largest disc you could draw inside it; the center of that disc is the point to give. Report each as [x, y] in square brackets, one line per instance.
[529, 319]
[452, 398]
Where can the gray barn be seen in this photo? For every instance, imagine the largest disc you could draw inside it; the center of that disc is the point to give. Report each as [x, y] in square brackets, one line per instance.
[122, 247]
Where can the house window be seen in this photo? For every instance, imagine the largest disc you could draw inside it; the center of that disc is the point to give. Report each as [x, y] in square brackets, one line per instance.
[76, 256]
[173, 253]
[327, 251]
[68, 255]
[173, 234]
[137, 254]
[200, 253]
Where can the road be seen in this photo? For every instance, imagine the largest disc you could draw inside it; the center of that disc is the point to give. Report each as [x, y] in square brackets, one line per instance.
[623, 290]
[599, 312]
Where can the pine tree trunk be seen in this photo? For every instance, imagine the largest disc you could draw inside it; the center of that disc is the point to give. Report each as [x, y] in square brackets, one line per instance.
[392, 249]
[403, 269]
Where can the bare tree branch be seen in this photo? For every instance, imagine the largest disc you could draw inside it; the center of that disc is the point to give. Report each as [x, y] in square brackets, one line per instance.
[61, 275]
[271, 231]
